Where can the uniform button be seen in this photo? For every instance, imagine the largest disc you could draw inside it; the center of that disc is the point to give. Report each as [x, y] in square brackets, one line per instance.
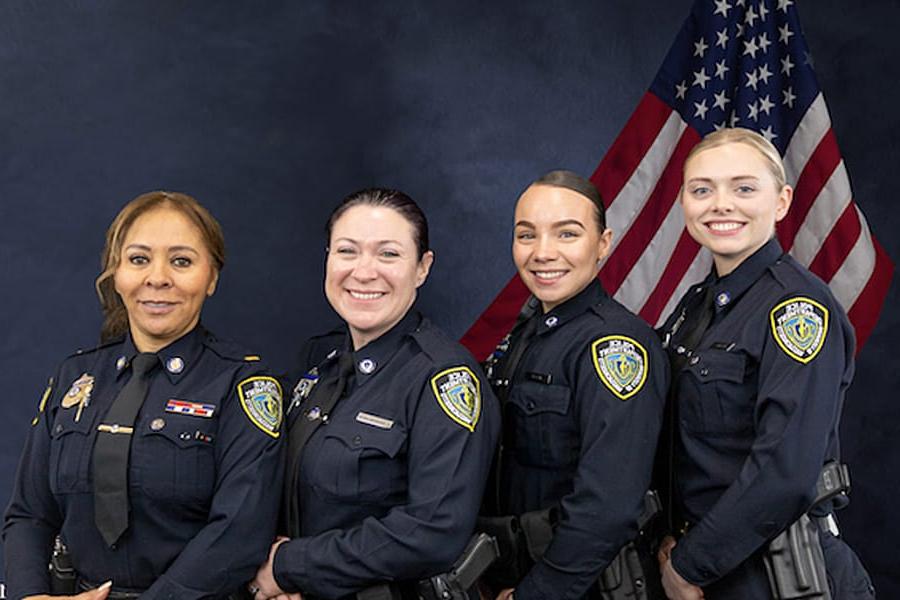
[58, 428]
[695, 360]
[157, 424]
[530, 405]
[704, 372]
[357, 440]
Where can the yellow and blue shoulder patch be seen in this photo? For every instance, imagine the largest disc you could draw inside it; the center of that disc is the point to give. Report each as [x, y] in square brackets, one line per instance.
[458, 393]
[799, 326]
[621, 363]
[261, 400]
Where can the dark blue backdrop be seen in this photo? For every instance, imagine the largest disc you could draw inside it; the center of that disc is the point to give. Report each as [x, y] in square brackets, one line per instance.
[270, 112]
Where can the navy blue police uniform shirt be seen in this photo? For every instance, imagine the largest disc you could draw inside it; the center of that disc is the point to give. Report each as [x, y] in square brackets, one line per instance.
[581, 424]
[390, 485]
[759, 403]
[203, 473]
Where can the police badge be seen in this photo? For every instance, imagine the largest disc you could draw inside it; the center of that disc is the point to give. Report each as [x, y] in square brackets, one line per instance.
[261, 399]
[621, 364]
[80, 392]
[303, 388]
[799, 326]
[458, 393]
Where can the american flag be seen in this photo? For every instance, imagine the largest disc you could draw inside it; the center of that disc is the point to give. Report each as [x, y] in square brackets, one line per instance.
[184, 407]
[735, 63]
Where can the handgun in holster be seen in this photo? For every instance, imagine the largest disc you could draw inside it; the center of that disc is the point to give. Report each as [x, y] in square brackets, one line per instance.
[631, 574]
[521, 541]
[63, 577]
[794, 560]
[463, 576]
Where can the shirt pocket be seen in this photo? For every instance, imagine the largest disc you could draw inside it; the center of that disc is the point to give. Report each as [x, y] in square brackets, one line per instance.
[361, 464]
[176, 461]
[545, 432]
[71, 448]
[716, 395]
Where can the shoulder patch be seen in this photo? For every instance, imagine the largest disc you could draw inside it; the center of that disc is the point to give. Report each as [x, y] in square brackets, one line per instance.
[799, 326]
[621, 364]
[261, 400]
[458, 393]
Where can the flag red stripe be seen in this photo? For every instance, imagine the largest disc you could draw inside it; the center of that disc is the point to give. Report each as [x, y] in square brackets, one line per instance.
[838, 244]
[629, 148]
[864, 312]
[652, 215]
[682, 257]
[815, 175]
[496, 320]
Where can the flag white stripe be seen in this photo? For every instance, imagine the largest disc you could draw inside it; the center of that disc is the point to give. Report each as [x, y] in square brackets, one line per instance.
[631, 199]
[822, 216]
[649, 268]
[809, 133]
[698, 270]
[850, 280]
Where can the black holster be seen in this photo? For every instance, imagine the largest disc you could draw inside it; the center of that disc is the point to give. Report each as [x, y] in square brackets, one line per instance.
[794, 560]
[795, 563]
[634, 573]
[521, 540]
[456, 584]
[63, 578]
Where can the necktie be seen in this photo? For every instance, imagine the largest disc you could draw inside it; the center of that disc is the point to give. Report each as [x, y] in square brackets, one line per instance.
[315, 412]
[520, 339]
[110, 458]
[697, 317]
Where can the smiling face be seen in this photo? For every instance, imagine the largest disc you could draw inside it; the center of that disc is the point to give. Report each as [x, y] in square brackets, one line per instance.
[373, 270]
[557, 244]
[164, 275]
[731, 202]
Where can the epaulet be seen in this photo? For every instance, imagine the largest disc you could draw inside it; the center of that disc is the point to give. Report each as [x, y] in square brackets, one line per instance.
[229, 350]
[97, 348]
[317, 348]
[435, 344]
[789, 273]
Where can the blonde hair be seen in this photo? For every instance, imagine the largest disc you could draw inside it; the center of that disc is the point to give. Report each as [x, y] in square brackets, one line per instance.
[115, 316]
[739, 135]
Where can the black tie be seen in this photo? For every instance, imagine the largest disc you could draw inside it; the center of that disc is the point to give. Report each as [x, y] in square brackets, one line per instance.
[698, 315]
[323, 398]
[110, 459]
[697, 319]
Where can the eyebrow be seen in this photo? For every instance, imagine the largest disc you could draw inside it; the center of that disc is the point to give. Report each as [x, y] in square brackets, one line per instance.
[735, 178]
[147, 248]
[379, 242]
[563, 223]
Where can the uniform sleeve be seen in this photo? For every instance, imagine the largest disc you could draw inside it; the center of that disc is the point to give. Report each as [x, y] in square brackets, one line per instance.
[447, 468]
[32, 518]
[797, 409]
[243, 513]
[618, 443]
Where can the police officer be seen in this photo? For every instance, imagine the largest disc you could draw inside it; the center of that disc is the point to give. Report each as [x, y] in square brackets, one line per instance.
[392, 428]
[152, 456]
[764, 355]
[582, 382]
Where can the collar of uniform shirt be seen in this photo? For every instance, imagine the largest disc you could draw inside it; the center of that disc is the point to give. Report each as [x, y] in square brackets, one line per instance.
[379, 351]
[728, 289]
[571, 308]
[177, 358]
